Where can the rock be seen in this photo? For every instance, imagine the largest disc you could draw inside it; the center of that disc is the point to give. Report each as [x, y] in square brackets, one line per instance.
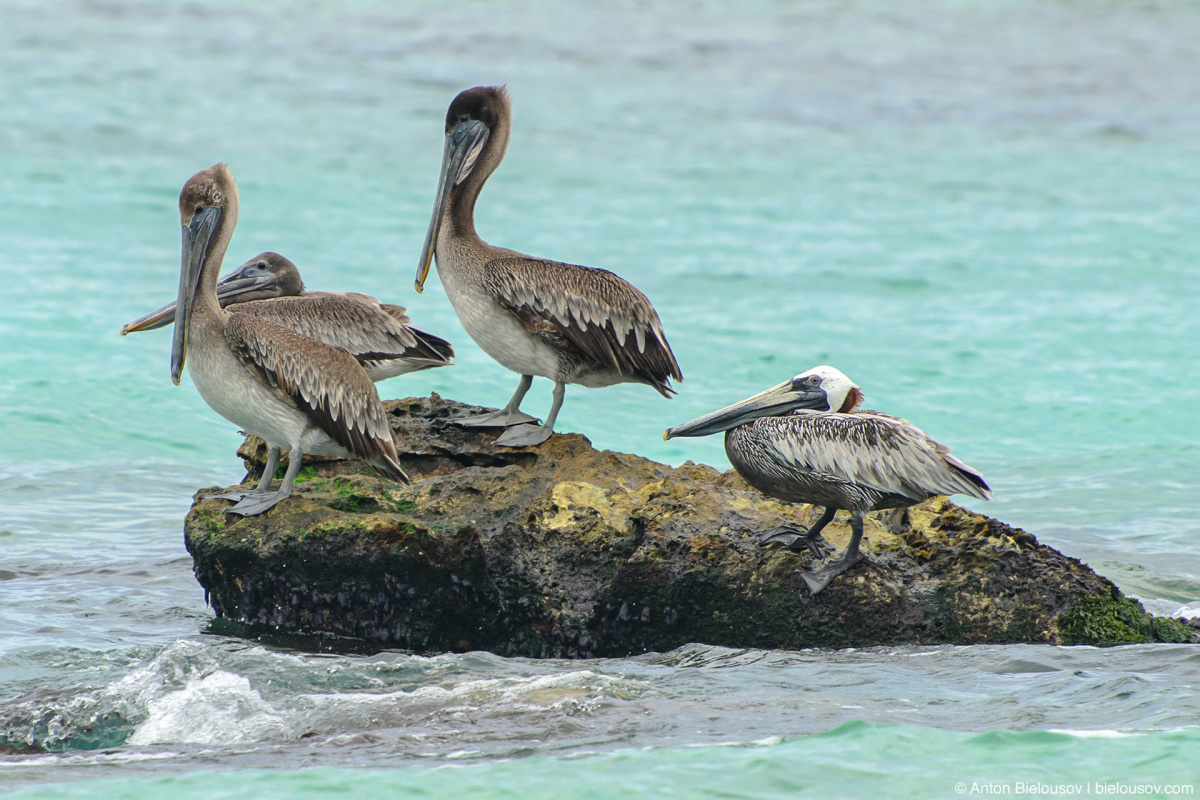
[566, 551]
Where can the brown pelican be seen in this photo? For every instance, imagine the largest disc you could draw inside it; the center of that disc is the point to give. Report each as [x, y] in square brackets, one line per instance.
[286, 388]
[564, 322]
[805, 441]
[379, 335]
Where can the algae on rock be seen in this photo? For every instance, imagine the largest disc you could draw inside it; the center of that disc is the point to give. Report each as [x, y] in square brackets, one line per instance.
[566, 551]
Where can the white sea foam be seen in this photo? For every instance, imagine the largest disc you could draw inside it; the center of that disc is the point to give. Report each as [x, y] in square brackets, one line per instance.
[1171, 608]
[1187, 611]
[88, 757]
[568, 693]
[181, 698]
[1100, 734]
[218, 709]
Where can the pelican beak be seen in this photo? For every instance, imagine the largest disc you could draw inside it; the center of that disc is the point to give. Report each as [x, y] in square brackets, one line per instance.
[774, 402]
[464, 143]
[249, 277]
[152, 321]
[243, 280]
[197, 237]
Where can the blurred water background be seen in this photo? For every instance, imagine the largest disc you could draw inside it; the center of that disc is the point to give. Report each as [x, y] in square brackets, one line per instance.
[986, 213]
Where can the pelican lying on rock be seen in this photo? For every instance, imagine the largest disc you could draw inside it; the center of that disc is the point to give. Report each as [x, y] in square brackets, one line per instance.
[290, 390]
[564, 322]
[379, 335]
[805, 441]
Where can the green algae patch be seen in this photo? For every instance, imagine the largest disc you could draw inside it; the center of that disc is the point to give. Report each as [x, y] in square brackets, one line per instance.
[566, 551]
[209, 520]
[1116, 620]
[304, 475]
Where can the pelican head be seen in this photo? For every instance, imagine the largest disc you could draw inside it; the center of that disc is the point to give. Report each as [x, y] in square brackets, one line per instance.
[819, 389]
[208, 206]
[474, 118]
[263, 277]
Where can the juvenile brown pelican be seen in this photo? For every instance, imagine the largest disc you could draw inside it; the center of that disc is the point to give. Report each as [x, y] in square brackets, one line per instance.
[564, 322]
[805, 441]
[379, 335]
[288, 389]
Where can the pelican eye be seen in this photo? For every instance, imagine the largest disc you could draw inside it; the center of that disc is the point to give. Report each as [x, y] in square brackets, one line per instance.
[464, 119]
[813, 380]
[262, 265]
[200, 209]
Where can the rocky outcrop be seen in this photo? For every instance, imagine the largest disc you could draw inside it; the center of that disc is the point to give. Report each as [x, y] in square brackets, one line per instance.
[566, 551]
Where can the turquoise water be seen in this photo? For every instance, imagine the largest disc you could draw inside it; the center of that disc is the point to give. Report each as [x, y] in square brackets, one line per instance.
[985, 213]
[905, 762]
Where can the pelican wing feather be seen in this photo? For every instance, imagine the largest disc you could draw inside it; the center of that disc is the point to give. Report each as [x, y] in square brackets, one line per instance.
[324, 382]
[371, 331]
[869, 448]
[599, 315]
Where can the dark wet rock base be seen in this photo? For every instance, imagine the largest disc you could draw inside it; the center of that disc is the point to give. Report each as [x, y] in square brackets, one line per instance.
[567, 551]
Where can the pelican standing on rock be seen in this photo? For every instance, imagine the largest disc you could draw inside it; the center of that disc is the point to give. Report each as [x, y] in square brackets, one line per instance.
[564, 322]
[286, 388]
[805, 441]
[379, 335]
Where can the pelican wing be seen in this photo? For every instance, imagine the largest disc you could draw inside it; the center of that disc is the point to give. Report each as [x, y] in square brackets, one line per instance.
[598, 314]
[435, 349]
[324, 382]
[398, 313]
[370, 331]
[871, 449]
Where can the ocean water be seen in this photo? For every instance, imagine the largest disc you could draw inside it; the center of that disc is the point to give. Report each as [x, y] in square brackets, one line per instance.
[985, 212]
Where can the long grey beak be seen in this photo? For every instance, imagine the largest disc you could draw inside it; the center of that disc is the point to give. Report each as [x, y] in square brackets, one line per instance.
[152, 321]
[196, 240]
[773, 402]
[243, 280]
[463, 145]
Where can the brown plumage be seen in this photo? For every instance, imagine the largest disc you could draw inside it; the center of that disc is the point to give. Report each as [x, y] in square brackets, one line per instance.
[380, 335]
[599, 321]
[377, 334]
[565, 322]
[291, 390]
[345, 407]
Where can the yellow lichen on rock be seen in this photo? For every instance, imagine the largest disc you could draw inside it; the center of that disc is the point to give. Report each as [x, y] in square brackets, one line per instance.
[570, 497]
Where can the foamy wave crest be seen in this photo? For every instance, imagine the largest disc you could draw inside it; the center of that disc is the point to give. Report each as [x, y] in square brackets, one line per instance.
[220, 708]
[567, 694]
[193, 693]
[104, 716]
[1096, 734]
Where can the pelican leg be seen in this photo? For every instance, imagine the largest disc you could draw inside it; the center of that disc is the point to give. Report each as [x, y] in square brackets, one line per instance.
[819, 579]
[798, 540]
[264, 483]
[258, 502]
[530, 435]
[506, 417]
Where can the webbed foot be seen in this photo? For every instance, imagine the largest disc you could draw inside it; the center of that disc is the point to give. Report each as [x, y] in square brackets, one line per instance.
[234, 495]
[256, 503]
[495, 419]
[796, 540]
[820, 578]
[229, 495]
[524, 436]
